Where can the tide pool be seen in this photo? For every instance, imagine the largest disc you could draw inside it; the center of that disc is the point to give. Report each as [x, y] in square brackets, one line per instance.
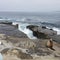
[1, 57]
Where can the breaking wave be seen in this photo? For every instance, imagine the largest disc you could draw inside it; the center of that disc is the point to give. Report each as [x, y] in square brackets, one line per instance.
[22, 27]
[57, 29]
[29, 33]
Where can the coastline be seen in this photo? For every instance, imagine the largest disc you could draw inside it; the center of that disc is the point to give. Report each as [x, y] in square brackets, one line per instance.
[15, 45]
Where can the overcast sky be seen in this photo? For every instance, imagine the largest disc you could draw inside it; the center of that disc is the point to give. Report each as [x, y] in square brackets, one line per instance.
[30, 5]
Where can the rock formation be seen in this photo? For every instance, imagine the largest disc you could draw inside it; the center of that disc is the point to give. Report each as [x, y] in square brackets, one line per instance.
[15, 45]
[41, 31]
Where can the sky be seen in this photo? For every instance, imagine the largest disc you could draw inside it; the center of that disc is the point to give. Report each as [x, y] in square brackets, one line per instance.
[30, 5]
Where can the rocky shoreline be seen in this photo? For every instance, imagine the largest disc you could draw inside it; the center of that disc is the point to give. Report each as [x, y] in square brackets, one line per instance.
[15, 45]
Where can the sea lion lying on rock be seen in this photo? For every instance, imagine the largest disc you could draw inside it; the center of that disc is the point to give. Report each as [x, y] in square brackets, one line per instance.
[49, 44]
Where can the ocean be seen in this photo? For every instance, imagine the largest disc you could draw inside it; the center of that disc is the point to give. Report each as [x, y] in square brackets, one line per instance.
[48, 19]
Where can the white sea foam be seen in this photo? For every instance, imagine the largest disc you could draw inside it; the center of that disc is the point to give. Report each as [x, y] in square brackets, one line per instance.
[57, 29]
[14, 23]
[29, 33]
[0, 42]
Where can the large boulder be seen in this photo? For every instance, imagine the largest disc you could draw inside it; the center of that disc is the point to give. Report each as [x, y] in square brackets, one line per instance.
[41, 31]
[47, 31]
[39, 34]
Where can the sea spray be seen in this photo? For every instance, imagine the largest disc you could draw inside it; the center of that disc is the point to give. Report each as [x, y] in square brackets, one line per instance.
[57, 29]
[29, 33]
[14, 23]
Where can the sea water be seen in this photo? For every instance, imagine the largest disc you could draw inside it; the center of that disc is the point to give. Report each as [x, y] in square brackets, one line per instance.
[51, 20]
[1, 57]
[29, 33]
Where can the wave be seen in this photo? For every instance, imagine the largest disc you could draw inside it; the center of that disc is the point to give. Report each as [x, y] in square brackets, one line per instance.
[14, 23]
[29, 19]
[51, 24]
[56, 29]
[5, 19]
[29, 33]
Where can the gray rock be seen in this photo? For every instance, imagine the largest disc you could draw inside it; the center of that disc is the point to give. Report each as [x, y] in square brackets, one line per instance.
[10, 30]
[41, 31]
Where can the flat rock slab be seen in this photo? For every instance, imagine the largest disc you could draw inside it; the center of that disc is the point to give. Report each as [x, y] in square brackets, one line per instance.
[11, 31]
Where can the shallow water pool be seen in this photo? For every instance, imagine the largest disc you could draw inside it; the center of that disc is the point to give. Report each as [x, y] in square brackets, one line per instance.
[1, 57]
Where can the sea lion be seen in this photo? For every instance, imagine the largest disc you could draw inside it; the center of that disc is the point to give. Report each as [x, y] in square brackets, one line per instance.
[49, 44]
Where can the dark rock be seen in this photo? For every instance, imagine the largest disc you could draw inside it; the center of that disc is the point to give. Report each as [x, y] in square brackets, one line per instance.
[6, 22]
[44, 27]
[32, 27]
[51, 29]
[39, 34]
